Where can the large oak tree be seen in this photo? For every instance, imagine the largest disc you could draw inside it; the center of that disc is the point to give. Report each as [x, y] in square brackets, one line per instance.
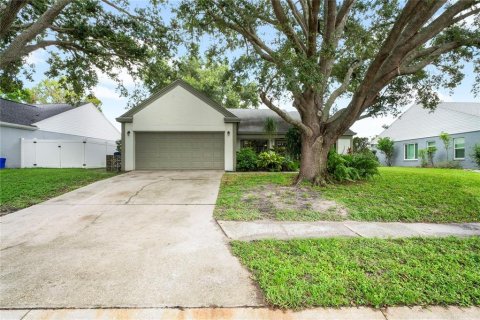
[376, 55]
[82, 37]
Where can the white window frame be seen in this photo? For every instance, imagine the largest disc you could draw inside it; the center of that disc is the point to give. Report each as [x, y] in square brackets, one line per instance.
[434, 143]
[455, 149]
[405, 152]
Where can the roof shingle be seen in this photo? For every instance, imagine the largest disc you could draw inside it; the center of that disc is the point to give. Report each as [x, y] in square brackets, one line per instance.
[27, 114]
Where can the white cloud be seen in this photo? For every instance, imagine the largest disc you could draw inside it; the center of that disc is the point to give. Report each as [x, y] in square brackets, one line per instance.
[103, 92]
[123, 75]
[36, 56]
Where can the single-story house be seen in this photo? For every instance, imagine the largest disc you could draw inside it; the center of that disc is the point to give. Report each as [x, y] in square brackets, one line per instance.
[418, 128]
[55, 135]
[180, 128]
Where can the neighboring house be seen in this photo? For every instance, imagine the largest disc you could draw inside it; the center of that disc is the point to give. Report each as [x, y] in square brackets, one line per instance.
[418, 128]
[54, 135]
[181, 128]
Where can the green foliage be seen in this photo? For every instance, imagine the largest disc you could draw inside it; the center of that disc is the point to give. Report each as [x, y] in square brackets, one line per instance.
[53, 91]
[423, 157]
[215, 78]
[270, 127]
[90, 36]
[451, 164]
[445, 137]
[22, 188]
[289, 164]
[476, 154]
[386, 146]
[431, 154]
[293, 139]
[335, 272]
[358, 166]
[360, 145]
[270, 160]
[246, 160]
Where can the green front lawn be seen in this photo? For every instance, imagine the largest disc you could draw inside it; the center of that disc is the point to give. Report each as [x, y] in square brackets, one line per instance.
[397, 194]
[21, 188]
[365, 272]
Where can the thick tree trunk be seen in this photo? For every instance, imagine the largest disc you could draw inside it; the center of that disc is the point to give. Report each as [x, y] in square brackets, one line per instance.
[313, 163]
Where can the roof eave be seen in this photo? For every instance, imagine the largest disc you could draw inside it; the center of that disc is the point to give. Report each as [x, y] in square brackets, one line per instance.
[124, 119]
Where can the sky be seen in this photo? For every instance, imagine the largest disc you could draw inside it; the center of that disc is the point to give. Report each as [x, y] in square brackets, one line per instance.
[113, 104]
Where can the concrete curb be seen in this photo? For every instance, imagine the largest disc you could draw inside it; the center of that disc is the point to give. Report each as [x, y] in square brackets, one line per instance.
[393, 313]
[257, 230]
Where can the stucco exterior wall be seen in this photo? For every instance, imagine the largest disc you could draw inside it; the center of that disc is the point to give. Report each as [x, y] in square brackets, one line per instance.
[129, 152]
[10, 146]
[178, 110]
[471, 138]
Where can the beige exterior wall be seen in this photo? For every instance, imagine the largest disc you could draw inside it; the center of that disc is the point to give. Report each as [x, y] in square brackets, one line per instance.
[129, 147]
[179, 111]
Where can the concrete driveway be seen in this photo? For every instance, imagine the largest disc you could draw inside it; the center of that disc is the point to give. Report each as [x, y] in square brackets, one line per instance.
[141, 239]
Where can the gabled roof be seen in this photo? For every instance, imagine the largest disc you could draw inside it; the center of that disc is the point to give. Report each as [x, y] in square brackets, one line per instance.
[252, 121]
[128, 116]
[27, 114]
[449, 117]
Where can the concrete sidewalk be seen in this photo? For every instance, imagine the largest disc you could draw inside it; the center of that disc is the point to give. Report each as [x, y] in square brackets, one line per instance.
[256, 230]
[394, 313]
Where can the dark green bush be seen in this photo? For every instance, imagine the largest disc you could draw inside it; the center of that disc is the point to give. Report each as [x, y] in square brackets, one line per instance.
[290, 165]
[270, 160]
[351, 167]
[293, 141]
[476, 154]
[246, 160]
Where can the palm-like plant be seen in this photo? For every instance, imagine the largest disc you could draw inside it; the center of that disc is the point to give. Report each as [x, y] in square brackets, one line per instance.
[270, 128]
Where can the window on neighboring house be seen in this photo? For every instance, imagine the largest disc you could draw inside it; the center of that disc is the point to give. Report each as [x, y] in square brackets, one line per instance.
[257, 145]
[459, 148]
[430, 144]
[411, 151]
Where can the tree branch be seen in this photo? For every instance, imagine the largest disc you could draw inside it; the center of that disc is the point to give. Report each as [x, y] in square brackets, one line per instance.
[14, 50]
[337, 92]
[9, 14]
[298, 16]
[284, 24]
[285, 115]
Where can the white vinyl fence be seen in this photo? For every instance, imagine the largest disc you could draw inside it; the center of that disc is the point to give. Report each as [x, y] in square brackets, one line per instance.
[65, 153]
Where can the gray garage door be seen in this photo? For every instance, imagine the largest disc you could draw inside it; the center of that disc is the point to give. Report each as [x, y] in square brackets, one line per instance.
[179, 150]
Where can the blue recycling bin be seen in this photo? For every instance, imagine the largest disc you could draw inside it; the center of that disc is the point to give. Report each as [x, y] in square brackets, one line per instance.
[2, 163]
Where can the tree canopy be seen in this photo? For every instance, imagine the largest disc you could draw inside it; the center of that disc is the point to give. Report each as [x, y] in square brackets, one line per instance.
[378, 55]
[81, 38]
[51, 91]
[214, 77]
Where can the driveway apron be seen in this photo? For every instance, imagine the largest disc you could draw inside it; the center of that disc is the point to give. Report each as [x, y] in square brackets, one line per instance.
[141, 239]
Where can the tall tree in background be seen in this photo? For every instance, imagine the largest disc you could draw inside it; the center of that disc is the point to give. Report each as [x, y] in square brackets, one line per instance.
[213, 77]
[377, 54]
[83, 37]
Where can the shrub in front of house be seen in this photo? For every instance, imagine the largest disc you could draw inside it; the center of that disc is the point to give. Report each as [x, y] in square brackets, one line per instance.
[247, 160]
[351, 167]
[289, 164]
[451, 164]
[270, 161]
[476, 154]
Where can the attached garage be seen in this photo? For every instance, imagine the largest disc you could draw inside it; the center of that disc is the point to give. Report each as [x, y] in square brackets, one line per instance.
[179, 150]
[178, 128]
